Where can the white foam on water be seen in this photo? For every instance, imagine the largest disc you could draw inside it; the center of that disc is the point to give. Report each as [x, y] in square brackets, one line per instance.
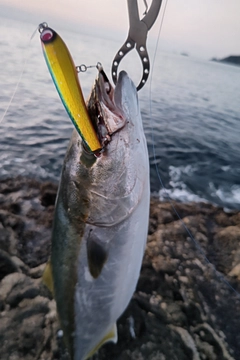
[182, 195]
[225, 168]
[229, 196]
[179, 190]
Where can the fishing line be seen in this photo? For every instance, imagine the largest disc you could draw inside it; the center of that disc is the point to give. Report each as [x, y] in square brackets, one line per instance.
[197, 245]
[25, 58]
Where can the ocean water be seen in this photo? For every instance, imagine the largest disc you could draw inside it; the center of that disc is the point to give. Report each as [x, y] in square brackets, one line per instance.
[191, 115]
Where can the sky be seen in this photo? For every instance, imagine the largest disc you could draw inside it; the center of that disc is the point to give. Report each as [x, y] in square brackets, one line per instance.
[202, 28]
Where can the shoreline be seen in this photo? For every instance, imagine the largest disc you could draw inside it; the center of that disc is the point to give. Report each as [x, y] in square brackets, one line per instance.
[180, 309]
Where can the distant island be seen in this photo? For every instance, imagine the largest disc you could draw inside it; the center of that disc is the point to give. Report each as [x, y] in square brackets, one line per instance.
[232, 59]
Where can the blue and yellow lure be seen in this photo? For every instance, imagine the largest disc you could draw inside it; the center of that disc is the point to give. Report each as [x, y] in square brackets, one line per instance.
[65, 78]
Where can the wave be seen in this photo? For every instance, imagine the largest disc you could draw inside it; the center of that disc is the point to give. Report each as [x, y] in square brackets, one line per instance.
[178, 188]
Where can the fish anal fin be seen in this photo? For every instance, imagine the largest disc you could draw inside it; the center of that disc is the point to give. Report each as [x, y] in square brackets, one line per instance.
[111, 336]
[48, 277]
[97, 256]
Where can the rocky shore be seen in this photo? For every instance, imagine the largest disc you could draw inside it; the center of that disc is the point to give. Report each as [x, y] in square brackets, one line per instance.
[183, 307]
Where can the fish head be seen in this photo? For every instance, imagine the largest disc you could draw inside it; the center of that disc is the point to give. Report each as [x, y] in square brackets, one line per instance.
[116, 116]
[111, 109]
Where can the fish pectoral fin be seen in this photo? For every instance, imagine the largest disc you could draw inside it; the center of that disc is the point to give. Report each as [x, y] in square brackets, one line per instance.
[111, 336]
[48, 277]
[97, 256]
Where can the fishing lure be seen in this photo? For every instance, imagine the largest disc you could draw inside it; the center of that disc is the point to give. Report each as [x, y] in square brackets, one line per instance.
[65, 78]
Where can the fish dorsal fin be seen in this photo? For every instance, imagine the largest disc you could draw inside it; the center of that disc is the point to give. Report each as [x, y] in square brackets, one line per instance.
[111, 336]
[97, 255]
[48, 277]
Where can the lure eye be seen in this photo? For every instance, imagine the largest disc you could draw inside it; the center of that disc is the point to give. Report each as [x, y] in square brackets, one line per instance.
[46, 35]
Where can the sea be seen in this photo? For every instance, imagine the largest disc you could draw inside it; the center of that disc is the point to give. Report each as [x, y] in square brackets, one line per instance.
[190, 110]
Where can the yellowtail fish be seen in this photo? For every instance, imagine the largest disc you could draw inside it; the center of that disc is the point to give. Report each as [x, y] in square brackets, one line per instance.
[65, 78]
[101, 220]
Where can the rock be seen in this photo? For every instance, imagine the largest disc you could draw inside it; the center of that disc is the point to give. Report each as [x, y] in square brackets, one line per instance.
[209, 336]
[25, 224]
[34, 246]
[8, 283]
[183, 308]
[4, 238]
[37, 272]
[20, 264]
[227, 240]
[188, 341]
[16, 287]
[235, 272]
[26, 332]
[7, 266]
[48, 194]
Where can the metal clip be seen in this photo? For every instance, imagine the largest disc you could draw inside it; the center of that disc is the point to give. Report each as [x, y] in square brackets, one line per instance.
[137, 36]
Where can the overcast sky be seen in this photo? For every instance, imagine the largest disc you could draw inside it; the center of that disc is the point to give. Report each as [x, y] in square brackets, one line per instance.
[203, 28]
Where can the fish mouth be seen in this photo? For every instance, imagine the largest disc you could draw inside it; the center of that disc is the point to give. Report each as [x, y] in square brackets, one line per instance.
[106, 116]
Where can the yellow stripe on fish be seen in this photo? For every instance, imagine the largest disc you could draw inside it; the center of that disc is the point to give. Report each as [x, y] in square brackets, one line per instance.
[65, 78]
[47, 277]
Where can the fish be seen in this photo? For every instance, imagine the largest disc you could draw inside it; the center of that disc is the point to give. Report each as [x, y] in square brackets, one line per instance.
[101, 219]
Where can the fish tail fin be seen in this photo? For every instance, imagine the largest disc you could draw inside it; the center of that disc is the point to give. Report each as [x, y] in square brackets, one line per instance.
[111, 336]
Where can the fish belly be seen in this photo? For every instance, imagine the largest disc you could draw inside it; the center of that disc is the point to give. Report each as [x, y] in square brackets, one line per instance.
[100, 302]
